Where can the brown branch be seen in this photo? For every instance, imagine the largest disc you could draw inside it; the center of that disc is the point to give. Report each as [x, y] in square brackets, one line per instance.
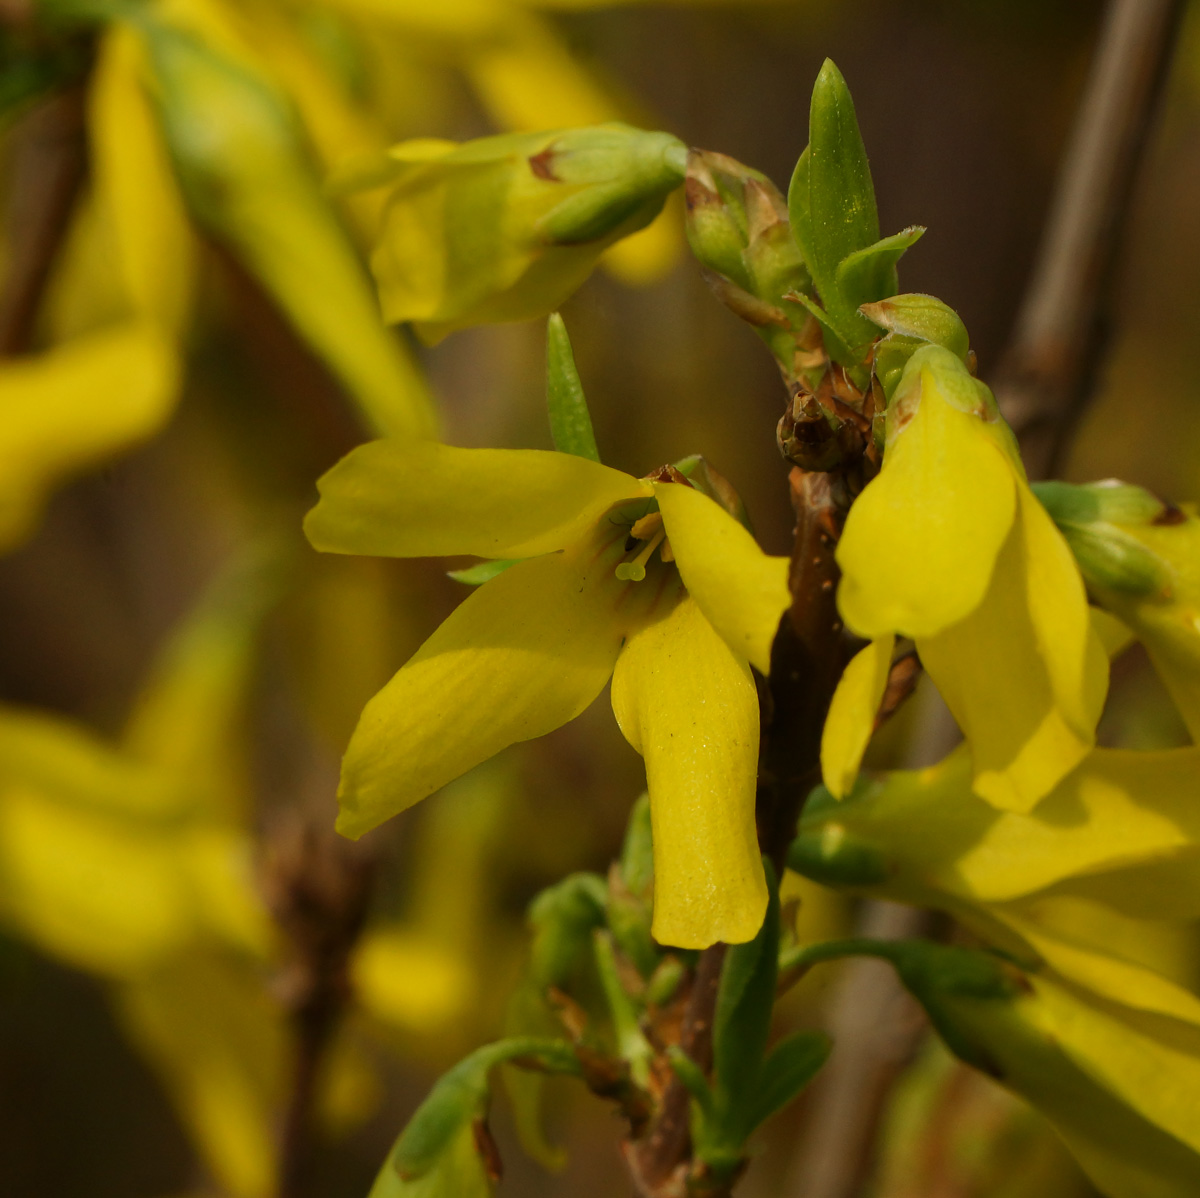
[317, 886]
[1050, 367]
[48, 165]
[659, 1162]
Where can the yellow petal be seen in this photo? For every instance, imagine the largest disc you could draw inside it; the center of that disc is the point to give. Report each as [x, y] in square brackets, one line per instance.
[208, 1027]
[102, 894]
[851, 718]
[73, 406]
[742, 591]
[423, 499]
[688, 704]
[1024, 674]
[411, 981]
[921, 541]
[253, 185]
[136, 188]
[1075, 657]
[524, 654]
[528, 79]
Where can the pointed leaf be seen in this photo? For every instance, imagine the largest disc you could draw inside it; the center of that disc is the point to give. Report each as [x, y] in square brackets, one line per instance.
[570, 422]
[793, 1063]
[870, 274]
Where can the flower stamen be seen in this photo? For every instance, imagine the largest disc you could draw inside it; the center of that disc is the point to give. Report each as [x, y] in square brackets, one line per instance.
[635, 570]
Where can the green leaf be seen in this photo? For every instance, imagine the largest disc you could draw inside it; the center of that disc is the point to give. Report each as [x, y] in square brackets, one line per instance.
[842, 216]
[742, 1020]
[799, 212]
[632, 1045]
[570, 422]
[793, 1063]
[481, 572]
[870, 274]
[637, 851]
[461, 1094]
[693, 1079]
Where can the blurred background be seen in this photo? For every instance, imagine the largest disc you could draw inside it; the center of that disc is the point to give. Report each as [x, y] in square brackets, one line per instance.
[180, 672]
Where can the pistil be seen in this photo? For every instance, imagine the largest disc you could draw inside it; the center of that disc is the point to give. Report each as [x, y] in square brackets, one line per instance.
[635, 570]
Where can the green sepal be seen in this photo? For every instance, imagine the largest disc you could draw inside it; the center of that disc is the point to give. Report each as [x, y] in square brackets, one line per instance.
[791, 1065]
[481, 572]
[834, 860]
[461, 1095]
[923, 318]
[570, 421]
[870, 274]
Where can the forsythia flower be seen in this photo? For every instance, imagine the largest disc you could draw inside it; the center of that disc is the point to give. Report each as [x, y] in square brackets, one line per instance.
[949, 546]
[506, 228]
[647, 580]
[1090, 895]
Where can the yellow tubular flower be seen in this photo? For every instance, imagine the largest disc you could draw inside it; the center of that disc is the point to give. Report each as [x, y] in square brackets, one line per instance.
[506, 228]
[948, 545]
[1092, 893]
[608, 558]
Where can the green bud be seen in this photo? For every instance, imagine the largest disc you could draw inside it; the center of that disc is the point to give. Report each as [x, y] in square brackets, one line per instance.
[1140, 558]
[737, 226]
[563, 917]
[921, 318]
[506, 228]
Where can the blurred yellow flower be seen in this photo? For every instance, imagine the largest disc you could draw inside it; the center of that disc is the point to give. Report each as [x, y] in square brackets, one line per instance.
[507, 227]
[949, 546]
[602, 593]
[1092, 895]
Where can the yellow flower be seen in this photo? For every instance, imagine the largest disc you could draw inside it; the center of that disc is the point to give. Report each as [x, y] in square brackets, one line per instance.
[949, 546]
[507, 227]
[602, 593]
[1093, 895]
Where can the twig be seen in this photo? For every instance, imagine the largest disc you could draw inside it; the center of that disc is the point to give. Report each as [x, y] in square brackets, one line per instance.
[317, 887]
[49, 165]
[1050, 367]
[658, 1161]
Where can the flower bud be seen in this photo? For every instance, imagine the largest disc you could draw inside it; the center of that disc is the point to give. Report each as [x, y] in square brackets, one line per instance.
[1140, 558]
[506, 228]
[737, 226]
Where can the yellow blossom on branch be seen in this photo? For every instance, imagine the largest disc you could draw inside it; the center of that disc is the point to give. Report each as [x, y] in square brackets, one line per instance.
[949, 546]
[649, 578]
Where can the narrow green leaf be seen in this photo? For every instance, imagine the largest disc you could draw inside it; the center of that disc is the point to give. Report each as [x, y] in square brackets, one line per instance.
[841, 199]
[870, 274]
[799, 212]
[460, 1095]
[793, 1063]
[693, 1079]
[482, 572]
[632, 1045]
[637, 851]
[742, 1020]
[570, 423]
